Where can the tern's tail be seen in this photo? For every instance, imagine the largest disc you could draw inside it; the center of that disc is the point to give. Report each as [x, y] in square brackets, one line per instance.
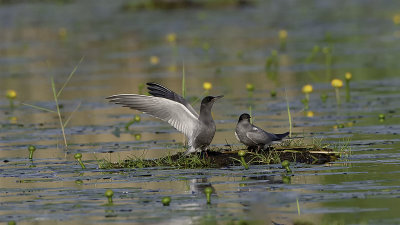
[281, 136]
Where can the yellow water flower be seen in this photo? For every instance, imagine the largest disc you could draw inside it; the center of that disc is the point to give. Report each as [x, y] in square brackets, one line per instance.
[207, 86]
[307, 88]
[337, 83]
[138, 137]
[11, 94]
[154, 60]
[137, 118]
[172, 68]
[171, 37]
[62, 33]
[310, 114]
[396, 19]
[250, 87]
[283, 34]
[13, 120]
[348, 76]
[326, 50]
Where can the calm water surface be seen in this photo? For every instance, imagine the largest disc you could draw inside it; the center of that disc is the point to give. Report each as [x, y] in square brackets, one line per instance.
[227, 47]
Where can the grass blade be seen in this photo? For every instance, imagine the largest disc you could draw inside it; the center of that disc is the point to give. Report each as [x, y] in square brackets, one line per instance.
[38, 107]
[183, 80]
[298, 206]
[70, 76]
[53, 86]
[72, 113]
[183, 91]
[289, 116]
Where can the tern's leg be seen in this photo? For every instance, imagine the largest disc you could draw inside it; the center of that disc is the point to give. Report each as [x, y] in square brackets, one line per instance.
[259, 148]
[251, 148]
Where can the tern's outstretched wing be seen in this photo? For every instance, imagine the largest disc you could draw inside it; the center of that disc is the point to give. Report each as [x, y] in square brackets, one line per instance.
[158, 90]
[176, 114]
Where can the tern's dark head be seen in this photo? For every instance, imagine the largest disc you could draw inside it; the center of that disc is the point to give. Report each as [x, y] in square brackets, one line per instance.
[209, 100]
[244, 116]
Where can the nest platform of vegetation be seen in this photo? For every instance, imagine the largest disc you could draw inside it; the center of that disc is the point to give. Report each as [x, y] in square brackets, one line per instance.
[220, 158]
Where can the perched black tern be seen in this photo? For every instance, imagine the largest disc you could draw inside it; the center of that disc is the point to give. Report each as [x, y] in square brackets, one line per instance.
[175, 110]
[253, 136]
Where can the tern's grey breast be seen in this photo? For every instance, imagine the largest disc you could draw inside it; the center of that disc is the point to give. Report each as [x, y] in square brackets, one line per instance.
[204, 134]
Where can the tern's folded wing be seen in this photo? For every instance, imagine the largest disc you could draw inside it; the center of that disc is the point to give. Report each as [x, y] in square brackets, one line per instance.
[259, 136]
[176, 114]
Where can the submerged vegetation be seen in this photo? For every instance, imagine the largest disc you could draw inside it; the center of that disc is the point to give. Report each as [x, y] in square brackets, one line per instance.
[294, 150]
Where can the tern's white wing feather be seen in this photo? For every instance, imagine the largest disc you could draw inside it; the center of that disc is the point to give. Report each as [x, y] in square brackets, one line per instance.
[176, 114]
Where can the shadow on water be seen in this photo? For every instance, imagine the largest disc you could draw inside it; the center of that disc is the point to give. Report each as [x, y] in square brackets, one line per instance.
[228, 47]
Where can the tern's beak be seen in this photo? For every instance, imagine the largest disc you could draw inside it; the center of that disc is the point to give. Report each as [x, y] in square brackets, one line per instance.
[218, 97]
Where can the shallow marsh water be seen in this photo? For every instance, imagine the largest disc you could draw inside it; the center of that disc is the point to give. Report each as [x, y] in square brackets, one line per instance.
[227, 47]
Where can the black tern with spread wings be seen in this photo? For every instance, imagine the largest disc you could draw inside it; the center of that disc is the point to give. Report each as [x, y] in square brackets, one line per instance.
[175, 110]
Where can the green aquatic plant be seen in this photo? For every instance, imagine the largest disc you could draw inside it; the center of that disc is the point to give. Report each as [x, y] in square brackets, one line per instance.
[324, 97]
[166, 200]
[272, 69]
[250, 88]
[11, 95]
[206, 46]
[241, 154]
[183, 80]
[78, 157]
[272, 93]
[171, 38]
[296, 149]
[315, 50]
[307, 89]
[337, 84]
[208, 191]
[286, 179]
[136, 119]
[138, 137]
[285, 164]
[140, 88]
[348, 77]
[79, 182]
[31, 149]
[298, 206]
[272, 65]
[12, 222]
[289, 115]
[382, 117]
[182, 161]
[109, 194]
[282, 39]
[328, 61]
[56, 96]
[250, 91]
